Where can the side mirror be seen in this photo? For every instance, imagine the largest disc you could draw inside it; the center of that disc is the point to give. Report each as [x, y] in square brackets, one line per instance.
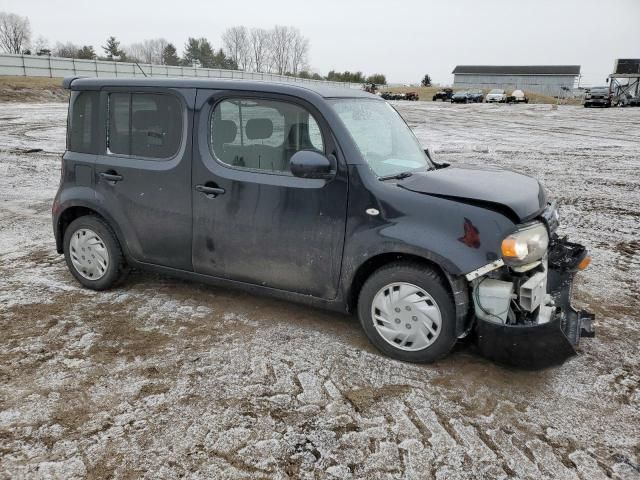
[310, 164]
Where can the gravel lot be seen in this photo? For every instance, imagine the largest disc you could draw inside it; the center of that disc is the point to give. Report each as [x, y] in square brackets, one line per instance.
[163, 378]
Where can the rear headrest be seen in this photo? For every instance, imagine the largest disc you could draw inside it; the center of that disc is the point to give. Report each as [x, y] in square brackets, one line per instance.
[259, 128]
[224, 131]
[145, 119]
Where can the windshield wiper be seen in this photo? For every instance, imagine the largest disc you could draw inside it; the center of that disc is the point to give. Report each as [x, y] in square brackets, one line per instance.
[395, 176]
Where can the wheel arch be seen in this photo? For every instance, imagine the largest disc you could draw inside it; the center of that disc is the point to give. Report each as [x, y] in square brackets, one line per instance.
[74, 211]
[456, 285]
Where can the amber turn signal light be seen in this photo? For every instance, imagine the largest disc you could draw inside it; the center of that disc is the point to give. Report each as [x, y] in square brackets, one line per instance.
[512, 249]
[584, 263]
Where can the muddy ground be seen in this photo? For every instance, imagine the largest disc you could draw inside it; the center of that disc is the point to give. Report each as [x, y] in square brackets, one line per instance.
[162, 378]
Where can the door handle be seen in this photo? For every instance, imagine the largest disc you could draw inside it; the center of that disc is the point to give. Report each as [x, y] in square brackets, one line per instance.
[211, 192]
[111, 177]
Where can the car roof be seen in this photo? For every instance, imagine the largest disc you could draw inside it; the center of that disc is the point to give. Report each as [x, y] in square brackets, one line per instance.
[321, 89]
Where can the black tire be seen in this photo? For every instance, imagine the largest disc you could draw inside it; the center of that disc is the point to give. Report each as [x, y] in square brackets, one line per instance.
[420, 276]
[117, 269]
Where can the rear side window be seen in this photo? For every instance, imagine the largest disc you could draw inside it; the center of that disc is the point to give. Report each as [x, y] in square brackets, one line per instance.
[83, 123]
[262, 134]
[144, 125]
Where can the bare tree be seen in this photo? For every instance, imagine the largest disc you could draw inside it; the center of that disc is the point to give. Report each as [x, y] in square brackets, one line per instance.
[15, 32]
[260, 49]
[281, 37]
[298, 52]
[147, 51]
[66, 50]
[237, 43]
[41, 46]
[134, 52]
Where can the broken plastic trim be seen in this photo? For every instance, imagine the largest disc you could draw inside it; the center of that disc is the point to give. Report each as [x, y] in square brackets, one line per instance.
[478, 272]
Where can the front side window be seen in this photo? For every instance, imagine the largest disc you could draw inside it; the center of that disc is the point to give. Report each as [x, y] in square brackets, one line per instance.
[83, 123]
[262, 134]
[385, 141]
[144, 125]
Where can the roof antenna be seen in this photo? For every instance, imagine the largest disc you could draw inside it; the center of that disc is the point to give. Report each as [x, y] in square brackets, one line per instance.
[140, 69]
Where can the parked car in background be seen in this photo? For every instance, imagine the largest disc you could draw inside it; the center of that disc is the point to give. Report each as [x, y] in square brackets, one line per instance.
[460, 97]
[598, 97]
[320, 195]
[497, 95]
[517, 96]
[444, 94]
[475, 96]
[393, 96]
[411, 96]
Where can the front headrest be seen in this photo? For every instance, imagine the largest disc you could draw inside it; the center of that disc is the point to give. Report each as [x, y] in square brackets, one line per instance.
[299, 135]
[259, 128]
[225, 131]
[145, 119]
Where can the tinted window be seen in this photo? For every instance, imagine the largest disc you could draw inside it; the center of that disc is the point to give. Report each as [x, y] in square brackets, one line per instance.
[262, 134]
[83, 122]
[144, 125]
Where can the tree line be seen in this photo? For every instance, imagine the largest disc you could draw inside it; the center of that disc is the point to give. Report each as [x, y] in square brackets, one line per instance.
[282, 50]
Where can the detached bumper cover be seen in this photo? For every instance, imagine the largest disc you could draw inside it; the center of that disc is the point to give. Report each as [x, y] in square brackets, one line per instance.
[535, 346]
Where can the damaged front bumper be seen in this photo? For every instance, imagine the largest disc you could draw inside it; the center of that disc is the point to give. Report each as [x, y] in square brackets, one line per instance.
[533, 342]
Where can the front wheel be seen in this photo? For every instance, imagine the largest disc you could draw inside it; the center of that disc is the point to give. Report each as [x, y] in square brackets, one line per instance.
[93, 253]
[407, 312]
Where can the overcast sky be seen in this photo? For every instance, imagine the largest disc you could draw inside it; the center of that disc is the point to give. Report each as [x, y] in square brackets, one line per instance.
[404, 40]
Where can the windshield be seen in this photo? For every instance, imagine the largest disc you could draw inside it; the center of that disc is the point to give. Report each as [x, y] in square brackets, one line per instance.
[383, 138]
[496, 90]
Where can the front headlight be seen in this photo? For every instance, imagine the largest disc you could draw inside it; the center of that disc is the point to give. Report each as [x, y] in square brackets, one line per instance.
[526, 245]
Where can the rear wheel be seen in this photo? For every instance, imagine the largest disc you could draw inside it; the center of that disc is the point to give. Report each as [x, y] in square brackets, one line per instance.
[93, 253]
[407, 312]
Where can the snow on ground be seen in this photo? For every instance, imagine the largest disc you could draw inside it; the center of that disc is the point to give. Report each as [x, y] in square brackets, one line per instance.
[162, 378]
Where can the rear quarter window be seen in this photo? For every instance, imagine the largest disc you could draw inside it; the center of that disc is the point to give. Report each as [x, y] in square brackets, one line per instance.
[83, 123]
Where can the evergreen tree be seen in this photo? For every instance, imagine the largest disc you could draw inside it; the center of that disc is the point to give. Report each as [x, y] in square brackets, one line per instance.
[87, 52]
[207, 55]
[170, 55]
[191, 52]
[377, 79]
[426, 81]
[200, 50]
[112, 49]
[220, 60]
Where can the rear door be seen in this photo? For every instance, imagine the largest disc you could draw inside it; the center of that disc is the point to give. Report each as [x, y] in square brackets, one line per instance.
[264, 226]
[143, 175]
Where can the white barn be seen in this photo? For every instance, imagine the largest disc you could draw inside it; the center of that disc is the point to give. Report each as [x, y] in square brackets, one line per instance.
[545, 79]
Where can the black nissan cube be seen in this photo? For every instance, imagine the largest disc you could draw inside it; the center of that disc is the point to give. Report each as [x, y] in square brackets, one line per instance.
[319, 195]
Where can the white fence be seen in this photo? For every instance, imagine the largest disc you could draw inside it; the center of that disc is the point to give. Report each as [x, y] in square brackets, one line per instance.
[46, 66]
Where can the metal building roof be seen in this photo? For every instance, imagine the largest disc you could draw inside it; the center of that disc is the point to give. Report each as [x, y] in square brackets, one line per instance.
[518, 69]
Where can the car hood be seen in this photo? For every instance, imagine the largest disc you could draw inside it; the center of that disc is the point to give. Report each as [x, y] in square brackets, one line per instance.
[517, 196]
